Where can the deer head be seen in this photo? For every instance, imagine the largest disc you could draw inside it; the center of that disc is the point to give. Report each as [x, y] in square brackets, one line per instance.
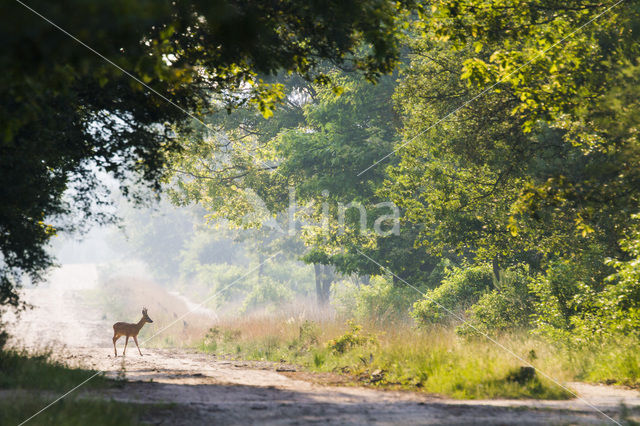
[145, 316]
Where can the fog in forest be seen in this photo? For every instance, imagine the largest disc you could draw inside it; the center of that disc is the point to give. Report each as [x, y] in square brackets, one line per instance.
[160, 256]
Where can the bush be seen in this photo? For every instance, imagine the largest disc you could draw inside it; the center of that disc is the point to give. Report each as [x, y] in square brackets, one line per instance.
[307, 337]
[580, 308]
[506, 308]
[439, 273]
[566, 298]
[351, 339]
[308, 334]
[554, 292]
[617, 308]
[267, 293]
[459, 290]
[379, 302]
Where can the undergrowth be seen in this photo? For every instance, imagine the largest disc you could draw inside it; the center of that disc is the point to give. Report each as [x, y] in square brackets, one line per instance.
[434, 360]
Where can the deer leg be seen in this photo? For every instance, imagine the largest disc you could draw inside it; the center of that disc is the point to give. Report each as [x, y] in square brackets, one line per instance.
[135, 339]
[115, 339]
[125, 346]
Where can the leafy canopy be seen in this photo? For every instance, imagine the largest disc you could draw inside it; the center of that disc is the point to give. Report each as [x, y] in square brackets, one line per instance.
[67, 115]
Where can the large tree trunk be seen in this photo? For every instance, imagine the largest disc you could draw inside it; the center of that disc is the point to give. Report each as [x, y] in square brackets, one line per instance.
[328, 278]
[325, 276]
[317, 268]
[496, 269]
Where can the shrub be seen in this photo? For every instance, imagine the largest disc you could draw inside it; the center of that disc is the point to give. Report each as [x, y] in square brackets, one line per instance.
[380, 301]
[319, 359]
[307, 337]
[618, 305]
[506, 308]
[566, 298]
[580, 308]
[350, 339]
[308, 333]
[458, 291]
[439, 273]
[267, 293]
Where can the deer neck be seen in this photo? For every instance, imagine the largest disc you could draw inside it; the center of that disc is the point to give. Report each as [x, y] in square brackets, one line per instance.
[140, 323]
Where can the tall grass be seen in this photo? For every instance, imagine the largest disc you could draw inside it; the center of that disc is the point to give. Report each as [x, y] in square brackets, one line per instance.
[396, 356]
[615, 360]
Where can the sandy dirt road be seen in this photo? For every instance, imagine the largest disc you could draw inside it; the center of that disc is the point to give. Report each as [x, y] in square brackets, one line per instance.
[205, 389]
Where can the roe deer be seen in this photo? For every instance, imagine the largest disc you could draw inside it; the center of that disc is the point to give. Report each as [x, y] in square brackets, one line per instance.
[129, 330]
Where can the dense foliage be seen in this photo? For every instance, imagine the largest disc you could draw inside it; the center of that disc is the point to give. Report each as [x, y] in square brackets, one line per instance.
[111, 95]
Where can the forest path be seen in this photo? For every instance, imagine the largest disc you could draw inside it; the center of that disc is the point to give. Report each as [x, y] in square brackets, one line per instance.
[206, 389]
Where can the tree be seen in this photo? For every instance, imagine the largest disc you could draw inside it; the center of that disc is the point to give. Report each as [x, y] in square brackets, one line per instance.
[560, 61]
[67, 113]
[310, 151]
[462, 178]
[532, 154]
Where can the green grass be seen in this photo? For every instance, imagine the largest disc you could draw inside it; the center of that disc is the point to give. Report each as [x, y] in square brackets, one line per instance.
[71, 412]
[615, 361]
[19, 370]
[620, 365]
[29, 382]
[435, 361]
[472, 371]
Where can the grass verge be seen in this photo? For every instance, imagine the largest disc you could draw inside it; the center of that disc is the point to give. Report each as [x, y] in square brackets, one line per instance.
[20, 370]
[28, 382]
[72, 412]
[434, 361]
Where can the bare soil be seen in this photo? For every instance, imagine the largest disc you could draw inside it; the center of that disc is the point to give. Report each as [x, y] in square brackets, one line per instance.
[205, 389]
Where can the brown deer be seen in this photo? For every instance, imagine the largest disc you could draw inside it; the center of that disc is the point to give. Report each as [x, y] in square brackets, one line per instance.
[130, 330]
